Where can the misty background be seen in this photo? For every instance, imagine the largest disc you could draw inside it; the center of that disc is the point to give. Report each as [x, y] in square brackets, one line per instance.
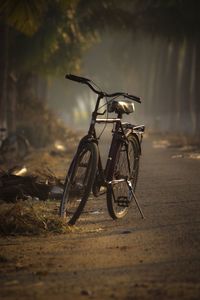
[147, 48]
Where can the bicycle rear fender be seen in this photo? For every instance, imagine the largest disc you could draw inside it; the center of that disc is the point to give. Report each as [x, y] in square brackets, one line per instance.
[138, 137]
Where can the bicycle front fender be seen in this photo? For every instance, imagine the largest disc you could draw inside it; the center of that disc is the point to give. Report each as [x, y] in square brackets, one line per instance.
[87, 139]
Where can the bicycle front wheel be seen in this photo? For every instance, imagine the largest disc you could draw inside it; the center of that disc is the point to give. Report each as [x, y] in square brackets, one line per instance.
[79, 182]
[125, 167]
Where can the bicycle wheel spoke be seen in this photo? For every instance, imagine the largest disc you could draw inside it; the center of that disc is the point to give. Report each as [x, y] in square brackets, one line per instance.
[126, 168]
[79, 183]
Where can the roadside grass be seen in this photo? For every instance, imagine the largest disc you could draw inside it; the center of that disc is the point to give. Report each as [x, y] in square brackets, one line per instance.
[31, 218]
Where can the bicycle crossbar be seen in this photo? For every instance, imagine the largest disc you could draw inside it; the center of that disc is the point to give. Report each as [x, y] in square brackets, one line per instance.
[108, 120]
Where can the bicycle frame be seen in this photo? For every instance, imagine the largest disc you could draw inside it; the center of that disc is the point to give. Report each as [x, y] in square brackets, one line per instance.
[121, 140]
[120, 133]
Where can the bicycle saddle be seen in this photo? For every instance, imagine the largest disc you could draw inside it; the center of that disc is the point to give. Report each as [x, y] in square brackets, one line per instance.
[121, 106]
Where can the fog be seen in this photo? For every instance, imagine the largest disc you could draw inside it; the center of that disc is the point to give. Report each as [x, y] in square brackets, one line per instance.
[146, 48]
[159, 70]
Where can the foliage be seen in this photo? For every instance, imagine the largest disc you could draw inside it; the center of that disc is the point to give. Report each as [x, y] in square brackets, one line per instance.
[24, 16]
[172, 18]
[45, 37]
[50, 36]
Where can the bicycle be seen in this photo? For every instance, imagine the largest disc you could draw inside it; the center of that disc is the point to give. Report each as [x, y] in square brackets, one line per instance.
[86, 174]
[13, 146]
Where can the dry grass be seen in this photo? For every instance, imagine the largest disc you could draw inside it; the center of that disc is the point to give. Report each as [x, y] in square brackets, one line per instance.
[31, 218]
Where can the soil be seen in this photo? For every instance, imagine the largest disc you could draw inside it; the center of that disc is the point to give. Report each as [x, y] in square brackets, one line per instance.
[153, 258]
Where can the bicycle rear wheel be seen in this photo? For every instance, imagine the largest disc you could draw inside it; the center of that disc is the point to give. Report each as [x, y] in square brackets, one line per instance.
[125, 167]
[79, 182]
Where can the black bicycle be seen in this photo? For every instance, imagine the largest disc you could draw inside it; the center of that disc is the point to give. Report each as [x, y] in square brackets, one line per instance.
[119, 178]
[13, 146]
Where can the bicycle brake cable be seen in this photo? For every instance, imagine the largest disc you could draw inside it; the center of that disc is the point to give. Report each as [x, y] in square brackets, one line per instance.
[101, 107]
[105, 104]
[96, 86]
[107, 101]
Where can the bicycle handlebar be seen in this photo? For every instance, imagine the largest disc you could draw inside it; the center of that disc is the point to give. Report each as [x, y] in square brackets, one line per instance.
[77, 78]
[87, 81]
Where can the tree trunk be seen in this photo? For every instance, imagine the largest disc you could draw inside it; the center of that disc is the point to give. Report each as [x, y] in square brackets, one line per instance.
[197, 89]
[163, 84]
[159, 84]
[27, 87]
[12, 103]
[185, 119]
[173, 85]
[151, 63]
[41, 88]
[3, 74]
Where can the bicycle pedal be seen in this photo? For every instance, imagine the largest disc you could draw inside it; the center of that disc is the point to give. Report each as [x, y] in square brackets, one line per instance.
[123, 202]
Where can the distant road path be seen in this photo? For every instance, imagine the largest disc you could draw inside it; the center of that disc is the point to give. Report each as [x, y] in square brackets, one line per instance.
[155, 258]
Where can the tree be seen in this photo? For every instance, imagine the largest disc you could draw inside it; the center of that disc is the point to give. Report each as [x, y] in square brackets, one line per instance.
[48, 38]
[40, 34]
[24, 16]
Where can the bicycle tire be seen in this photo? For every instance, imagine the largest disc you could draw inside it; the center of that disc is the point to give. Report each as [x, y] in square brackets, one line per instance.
[79, 182]
[118, 195]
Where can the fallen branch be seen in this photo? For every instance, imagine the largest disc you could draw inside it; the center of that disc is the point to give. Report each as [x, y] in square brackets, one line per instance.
[14, 187]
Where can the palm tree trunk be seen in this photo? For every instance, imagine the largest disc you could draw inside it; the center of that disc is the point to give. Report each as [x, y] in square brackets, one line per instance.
[150, 72]
[197, 90]
[12, 103]
[172, 85]
[3, 74]
[159, 84]
[42, 89]
[185, 120]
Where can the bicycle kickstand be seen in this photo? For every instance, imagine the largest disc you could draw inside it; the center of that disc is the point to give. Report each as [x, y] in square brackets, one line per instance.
[130, 187]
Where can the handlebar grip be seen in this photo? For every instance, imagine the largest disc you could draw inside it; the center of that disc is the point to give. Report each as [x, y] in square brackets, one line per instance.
[77, 78]
[135, 98]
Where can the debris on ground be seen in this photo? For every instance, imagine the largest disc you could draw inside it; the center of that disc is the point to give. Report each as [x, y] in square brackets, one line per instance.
[15, 187]
[26, 181]
[31, 218]
[30, 191]
[56, 192]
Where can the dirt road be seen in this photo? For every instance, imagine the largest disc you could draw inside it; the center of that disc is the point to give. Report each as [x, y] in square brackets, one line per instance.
[155, 258]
